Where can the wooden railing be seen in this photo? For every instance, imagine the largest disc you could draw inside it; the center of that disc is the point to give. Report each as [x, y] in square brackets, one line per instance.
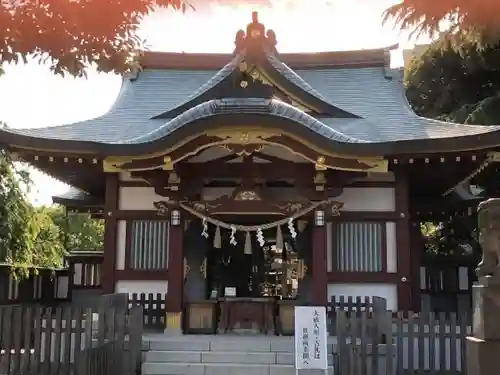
[426, 343]
[39, 340]
[153, 308]
[154, 311]
[85, 266]
[101, 360]
[43, 286]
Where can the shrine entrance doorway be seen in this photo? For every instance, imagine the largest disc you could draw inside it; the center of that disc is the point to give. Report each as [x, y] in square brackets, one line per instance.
[237, 270]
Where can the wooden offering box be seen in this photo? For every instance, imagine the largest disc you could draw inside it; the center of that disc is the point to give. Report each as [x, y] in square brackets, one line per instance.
[200, 317]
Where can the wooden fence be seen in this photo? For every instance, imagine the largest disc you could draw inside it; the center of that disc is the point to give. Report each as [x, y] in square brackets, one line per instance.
[381, 343]
[355, 305]
[101, 360]
[153, 307]
[446, 284]
[69, 340]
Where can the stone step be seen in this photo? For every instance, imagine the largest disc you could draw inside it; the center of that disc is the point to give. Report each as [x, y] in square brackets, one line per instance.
[261, 345]
[179, 345]
[289, 359]
[221, 369]
[155, 356]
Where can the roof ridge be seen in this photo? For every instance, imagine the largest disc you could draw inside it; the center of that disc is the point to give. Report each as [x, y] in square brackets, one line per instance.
[291, 75]
[214, 107]
[268, 61]
[217, 78]
[296, 60]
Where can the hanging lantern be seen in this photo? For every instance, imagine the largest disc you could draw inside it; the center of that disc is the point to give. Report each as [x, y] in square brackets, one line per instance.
[175, 217]
[319, 218]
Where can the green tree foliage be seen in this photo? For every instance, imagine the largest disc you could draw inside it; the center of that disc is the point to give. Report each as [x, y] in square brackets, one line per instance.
[48, 250]
[453, 237]
[38, 236]
[77, 231]
[71, 35]
[477, 21]
[459, 86]
[27, 238]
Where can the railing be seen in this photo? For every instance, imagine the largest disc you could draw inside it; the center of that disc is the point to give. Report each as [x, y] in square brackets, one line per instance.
[45, 286]
[101, 360]
[50, 287]
[425, 344]
[85, 266]
[153, 307]
[38, 340]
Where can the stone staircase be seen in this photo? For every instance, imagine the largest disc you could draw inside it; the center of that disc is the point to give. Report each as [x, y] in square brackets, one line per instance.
[220, 355]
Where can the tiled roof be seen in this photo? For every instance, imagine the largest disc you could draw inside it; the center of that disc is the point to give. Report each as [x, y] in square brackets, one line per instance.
[373, 93]
[77, 196]
[73, 194]
[229, 106]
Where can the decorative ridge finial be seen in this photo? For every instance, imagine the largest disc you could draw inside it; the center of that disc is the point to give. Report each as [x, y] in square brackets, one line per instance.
[255, 16]
[256, 39]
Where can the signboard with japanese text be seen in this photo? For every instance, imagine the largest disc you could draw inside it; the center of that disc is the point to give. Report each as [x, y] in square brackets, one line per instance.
[310, 338]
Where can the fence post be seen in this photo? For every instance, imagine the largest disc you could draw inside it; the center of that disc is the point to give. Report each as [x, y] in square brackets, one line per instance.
[135, 339]
[379, 304]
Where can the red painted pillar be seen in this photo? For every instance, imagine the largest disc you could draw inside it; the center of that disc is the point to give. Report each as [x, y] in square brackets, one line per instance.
[403, 245]
[319, 266]
[174, 304]
[110, 233]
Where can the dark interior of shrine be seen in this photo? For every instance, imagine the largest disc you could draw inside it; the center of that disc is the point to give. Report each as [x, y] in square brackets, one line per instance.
[265, 271]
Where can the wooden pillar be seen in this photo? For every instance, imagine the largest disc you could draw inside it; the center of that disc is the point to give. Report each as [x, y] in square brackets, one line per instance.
[110, 233]
[174, 304]
[319, 265]
[403, 245]
[416, 249]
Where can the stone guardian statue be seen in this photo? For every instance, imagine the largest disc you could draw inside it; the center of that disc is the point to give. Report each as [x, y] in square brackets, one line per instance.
[489, 238]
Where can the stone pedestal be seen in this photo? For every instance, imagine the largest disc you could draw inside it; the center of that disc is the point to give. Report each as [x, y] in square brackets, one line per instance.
[482, 356]
[173, 322]
[483, 347]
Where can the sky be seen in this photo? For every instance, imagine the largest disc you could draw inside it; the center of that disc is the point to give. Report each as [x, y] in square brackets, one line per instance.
[31, 96]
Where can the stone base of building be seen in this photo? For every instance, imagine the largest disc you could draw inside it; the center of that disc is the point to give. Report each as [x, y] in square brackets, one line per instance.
[173, 323]
[482, 356]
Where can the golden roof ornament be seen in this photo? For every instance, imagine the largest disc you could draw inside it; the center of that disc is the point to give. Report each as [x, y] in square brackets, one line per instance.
[256, 39]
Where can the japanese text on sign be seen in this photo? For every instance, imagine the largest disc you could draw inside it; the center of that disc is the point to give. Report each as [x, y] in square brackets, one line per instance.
[317, 345]
[305, 346]
[310, 338]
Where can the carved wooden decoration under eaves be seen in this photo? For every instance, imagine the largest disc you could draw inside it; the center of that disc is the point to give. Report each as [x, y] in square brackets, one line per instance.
[187, 268]
[163, 207]
[245, 141]
[246, 201]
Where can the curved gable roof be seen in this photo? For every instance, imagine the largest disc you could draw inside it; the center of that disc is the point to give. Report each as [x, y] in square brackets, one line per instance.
[251, 106]
[366, 109]
[364, 91]
[218, 86]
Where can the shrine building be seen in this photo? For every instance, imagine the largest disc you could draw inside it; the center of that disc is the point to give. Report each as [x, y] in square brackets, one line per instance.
[258, 174]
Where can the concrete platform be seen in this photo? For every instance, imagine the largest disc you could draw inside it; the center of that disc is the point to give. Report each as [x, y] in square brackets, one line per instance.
[223, 357]
[227, 355]
[220, 369]
[225, 343]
